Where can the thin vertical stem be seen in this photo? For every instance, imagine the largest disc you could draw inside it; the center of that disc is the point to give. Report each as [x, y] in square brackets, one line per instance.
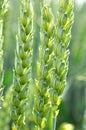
[36, 38]
[3, 9]
[54, 123]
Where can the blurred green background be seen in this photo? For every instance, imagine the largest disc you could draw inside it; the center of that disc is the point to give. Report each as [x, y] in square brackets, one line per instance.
[74, 97]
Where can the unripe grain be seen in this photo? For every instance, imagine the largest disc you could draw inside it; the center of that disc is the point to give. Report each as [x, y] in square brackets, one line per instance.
[44, 66]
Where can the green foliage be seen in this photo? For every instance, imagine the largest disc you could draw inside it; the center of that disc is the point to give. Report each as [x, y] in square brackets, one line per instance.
[3, 9]
[84, 122]
[5, 111]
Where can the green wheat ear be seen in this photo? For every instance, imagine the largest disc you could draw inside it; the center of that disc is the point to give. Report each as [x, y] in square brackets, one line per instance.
[62, 38]
[22, 68]
[44, 68]
[3, 9]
